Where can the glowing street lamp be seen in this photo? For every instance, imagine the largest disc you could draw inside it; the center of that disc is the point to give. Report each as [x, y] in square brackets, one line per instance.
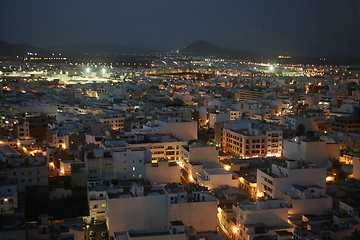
[260, 194]
[191, 179]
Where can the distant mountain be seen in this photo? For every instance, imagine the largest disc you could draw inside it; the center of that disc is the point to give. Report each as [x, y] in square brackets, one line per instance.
[204, 48]
[13, 50]
[9, 50]
[96, 49]
[29, 48]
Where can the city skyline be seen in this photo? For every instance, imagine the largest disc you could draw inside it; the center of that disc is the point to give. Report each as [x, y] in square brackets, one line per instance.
[179, 120]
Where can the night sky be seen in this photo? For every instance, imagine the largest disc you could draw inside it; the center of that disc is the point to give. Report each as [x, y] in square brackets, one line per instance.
[299, 27]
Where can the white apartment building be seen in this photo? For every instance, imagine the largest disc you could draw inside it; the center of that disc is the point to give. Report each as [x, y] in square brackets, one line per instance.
[175, 231]
[58, 133]
[218, 117]
[214, 178]
[96, 194]
[311, 150]
[22, 130]
[99, 164]
[195, 207]
[152, 207]
[121, 163]
[235, 115]
[162, 145]
[263, 218]
[8, 199]
[163, 172]
[137, 209]
[251, 140]
[309, 121]
[199, 153]
[356, 167]
[307, 199]
[24, 171]
[194, 156]
[281, 178]
[183, 128]
[129, 163]
[116, 121]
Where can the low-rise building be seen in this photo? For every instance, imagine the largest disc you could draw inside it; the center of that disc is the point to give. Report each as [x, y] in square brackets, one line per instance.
[307, 199]
[163, 172]
[199, 153]
[8, 199]
[214, 178]
[312, 150]
[281, 177]
[24, 170]
[183, 128]
[356, 166]
[116, 121]
[121, 163]
[263, 218]
[308, 121]
[175, 231]
[152, 207]
[194, 205]
[21, 130]
[251, 139]
[162, 145]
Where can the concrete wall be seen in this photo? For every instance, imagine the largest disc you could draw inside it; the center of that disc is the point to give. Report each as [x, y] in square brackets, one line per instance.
[162, 172]
[215, 181]
[185, 130]
[14, 234]
[154, 237]
[218, 118]
[97, 209]
[356, 168]
[59, 193]
[137, 213]
[202, 154]
[310, 206]
[318, 152]
[29, 176]
[265, 216]
[131, 164]
[294, 176]
[200, 215]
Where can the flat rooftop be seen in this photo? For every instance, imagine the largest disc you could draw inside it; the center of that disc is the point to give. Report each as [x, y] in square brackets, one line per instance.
[6, 150]
[150, 138]
[217, 171]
